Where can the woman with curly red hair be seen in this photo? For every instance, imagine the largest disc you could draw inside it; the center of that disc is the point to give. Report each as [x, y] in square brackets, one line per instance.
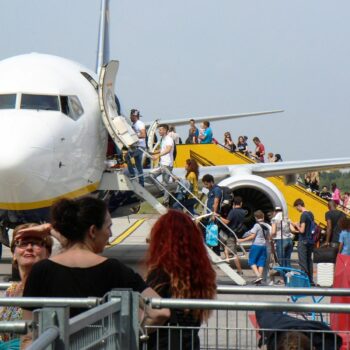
[178, 266]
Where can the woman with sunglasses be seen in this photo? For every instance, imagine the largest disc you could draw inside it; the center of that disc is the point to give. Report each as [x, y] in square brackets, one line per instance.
[26, 252]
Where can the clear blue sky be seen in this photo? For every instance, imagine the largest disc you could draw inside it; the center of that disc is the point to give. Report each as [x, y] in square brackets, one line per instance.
[200, 57]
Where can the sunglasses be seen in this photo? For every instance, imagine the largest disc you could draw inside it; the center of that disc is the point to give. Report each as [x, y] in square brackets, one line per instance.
[33, 243]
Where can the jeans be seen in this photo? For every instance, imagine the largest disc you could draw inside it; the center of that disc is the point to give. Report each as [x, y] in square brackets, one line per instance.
[305, 250]
[187, 203]
[137, 155]
[284, 249]
[165, 178]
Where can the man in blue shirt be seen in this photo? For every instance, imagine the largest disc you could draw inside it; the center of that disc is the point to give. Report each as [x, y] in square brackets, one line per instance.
[305, 241]
[206, 135]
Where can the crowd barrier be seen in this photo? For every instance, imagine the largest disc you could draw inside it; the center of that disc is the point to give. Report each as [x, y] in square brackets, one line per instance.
[113, 322]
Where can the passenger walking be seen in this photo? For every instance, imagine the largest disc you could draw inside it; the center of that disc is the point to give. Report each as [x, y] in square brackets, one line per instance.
[193, 133]
[333, 217]
[259, 153]
[188, 201]
[174, 135]
[178, 266]
[228, 143]
[235, 221]
[166, 160]
[305, 239]
[242, 145]
[213, 203]
[344, 237]
[26, 252]
[206, 134]
[281, 233]
[137, 154]
[271, 158]
[278, 158]
[336, 196]
[79, 271]
[325, 194]
[258, 254]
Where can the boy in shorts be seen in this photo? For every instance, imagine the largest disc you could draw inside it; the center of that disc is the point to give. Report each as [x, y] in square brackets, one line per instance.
[260, 235]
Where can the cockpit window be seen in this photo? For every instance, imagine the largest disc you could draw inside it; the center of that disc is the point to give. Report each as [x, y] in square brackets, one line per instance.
[8, 101]
[40, 102]
[71, 106]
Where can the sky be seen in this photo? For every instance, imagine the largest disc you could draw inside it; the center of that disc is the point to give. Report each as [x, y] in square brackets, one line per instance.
[193, 58]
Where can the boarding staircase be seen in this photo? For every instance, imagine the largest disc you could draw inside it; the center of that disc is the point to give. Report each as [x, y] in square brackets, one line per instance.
[211, 154]
[124, 136]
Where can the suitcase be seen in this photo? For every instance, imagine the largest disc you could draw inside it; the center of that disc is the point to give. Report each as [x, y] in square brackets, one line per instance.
[325, 274]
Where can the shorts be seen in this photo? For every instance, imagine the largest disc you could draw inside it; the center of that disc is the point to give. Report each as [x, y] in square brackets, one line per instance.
[257, 255]
[229, 242]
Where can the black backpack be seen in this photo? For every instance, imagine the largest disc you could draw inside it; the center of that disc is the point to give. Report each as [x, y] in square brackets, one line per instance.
[226, 197]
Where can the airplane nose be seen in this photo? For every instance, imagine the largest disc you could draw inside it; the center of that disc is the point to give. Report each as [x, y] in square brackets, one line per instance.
[26, 153]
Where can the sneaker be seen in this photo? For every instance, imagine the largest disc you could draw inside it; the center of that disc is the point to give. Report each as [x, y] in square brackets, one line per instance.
[259, 279]
[240, 273]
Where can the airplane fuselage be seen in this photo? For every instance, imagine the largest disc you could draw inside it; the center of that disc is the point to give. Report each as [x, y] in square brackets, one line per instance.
[53, 142]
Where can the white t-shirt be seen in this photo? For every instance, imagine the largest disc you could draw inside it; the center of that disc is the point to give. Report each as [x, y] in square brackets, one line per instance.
[138, 126]
[277, 219]
[175, 136]
[167, 159]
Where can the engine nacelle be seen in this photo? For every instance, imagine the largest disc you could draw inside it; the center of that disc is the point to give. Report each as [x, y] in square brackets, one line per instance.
[257, 193]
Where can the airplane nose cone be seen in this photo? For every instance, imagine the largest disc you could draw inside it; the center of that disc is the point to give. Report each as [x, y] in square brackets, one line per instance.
[26, 153]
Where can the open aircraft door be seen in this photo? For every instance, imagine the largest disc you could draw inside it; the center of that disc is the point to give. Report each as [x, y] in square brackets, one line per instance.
[118, 128]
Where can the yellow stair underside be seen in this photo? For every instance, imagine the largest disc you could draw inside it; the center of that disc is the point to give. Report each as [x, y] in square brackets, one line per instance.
[215, 155]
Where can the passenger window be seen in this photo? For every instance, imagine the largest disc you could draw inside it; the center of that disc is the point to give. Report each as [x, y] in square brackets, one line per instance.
[71, 106]
[8, 101]
[40, 102]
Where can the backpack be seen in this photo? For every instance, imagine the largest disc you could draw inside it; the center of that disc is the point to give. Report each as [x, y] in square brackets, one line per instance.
[315, 231]
[226, 197]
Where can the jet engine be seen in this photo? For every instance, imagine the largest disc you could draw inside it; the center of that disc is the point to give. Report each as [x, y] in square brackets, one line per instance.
[257, 193]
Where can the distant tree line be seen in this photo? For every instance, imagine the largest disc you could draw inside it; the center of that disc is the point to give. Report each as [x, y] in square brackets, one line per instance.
[342, 179]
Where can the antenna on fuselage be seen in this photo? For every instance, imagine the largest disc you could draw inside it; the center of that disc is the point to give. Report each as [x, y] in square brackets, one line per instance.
[103, 37]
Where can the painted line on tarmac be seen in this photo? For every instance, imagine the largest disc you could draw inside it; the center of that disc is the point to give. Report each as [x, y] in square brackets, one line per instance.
[119, 239]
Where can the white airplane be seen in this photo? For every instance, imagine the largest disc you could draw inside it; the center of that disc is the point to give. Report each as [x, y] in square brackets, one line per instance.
[54, 140]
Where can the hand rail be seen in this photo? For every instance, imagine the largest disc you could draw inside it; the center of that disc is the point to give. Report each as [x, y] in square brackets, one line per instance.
[41, 302]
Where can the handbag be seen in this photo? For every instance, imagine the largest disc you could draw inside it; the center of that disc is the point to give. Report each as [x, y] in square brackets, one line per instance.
[211, 234]
[325, 255]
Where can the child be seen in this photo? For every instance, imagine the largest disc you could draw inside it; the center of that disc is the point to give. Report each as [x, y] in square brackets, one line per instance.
[344, 236]
[260, 235]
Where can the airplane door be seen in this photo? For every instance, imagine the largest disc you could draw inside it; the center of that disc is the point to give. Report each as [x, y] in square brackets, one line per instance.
[118, 128]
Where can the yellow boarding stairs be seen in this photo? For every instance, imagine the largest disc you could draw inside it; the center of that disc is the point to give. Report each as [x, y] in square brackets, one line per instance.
[211, 154]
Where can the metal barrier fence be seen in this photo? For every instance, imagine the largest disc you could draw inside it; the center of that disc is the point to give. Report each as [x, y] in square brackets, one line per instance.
[233, 325]
[111, 322]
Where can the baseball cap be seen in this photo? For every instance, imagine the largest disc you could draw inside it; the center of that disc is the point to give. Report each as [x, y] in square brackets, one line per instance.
[135, 112]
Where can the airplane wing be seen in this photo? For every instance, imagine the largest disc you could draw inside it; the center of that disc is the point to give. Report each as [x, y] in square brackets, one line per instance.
[185, 121]
[294, 167]
[270, 169]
